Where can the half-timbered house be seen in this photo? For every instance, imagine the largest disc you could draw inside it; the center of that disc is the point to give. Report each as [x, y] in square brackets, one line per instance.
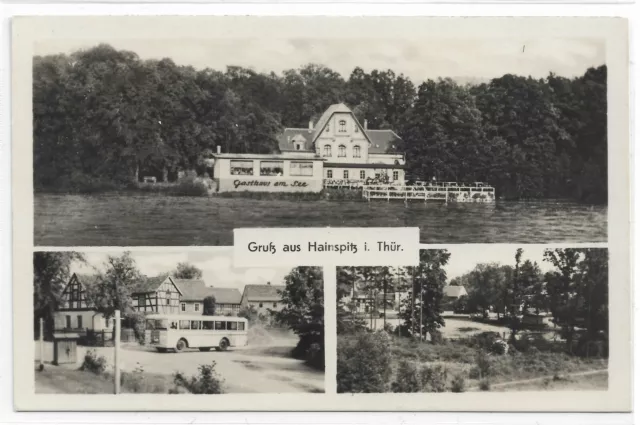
[156, 295]
[76, 312]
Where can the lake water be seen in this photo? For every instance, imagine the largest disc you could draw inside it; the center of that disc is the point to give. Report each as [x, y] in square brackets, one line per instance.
[152, 220]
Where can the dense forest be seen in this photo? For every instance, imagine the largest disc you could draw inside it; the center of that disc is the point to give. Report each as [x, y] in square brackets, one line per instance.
[101, 116]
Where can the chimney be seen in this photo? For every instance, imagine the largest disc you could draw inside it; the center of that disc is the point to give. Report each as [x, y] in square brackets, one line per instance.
[310, 125]
[218, 149]
[365, 124]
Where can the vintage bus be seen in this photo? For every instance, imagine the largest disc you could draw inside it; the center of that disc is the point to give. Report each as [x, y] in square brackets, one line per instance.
[181, 331]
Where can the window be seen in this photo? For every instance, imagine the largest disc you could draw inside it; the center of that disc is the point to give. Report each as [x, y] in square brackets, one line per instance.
[168, 301]
[301, 168]
[395, 175]
[183, 307]
[260, 305]
[219, 326]
[184, 324]
[141, 301]
[298, 146]
[79, 322]
[356, 151]
[343, 126]
[241, 168]
[195, 324]
[240, 326]
[232, 326]
[196, 307]
[275, 305]
[342, 151]
[327, 150]
[207, 324]
[271, 168]
[362, 175]
[345, 174]
[327, 128]
[329, 174]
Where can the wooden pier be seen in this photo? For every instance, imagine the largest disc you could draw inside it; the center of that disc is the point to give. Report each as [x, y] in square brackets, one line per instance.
[437, 192]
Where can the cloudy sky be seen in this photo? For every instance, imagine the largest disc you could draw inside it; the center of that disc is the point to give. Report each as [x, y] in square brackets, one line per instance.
[465, 257]
[216, 266]
[467, 60]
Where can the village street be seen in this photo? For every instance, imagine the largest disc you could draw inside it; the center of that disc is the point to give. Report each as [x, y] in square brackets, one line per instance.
[252, 369]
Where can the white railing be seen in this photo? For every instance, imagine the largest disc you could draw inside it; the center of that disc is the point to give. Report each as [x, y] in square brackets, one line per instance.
[430, 193]
[343, 183]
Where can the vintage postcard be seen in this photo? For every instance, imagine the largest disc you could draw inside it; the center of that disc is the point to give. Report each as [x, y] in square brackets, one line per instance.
[321, 213]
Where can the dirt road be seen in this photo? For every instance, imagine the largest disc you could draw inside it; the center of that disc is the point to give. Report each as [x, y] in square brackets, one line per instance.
[251, 369]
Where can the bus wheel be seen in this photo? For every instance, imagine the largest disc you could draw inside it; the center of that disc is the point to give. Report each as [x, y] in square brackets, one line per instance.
[181, 345]
[204, 348]
[223, 345]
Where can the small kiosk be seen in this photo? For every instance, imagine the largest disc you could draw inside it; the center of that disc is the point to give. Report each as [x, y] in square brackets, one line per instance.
[65, 348]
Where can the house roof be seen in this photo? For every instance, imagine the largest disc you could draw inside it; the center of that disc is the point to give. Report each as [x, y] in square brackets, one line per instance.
[381, 141]
[197, 290]
[263, 292]
[148, 284]
[454, 291]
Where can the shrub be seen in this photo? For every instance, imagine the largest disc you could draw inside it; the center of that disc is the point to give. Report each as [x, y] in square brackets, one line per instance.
[483, 365]
[459, 383]
[407, 378]
[388, 327]
[138, 382]
[364, 363]
[188, 188]
[206, 382]
[436, 337]
[485, 385]
[94, 363]
[434, 379]
[500, 347]
[315, 356]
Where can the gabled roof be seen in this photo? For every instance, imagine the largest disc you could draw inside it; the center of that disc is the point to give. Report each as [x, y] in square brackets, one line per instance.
[289, 135]
[263, 292]
[383, 141]
[197, 290]
[324, 119]
[454, 291]
[150, 284]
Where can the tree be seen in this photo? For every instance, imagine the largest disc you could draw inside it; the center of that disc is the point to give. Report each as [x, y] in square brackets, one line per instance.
[187, 271]
[51, 274]
[516, 297]
[303, 311]
[428, 280]
[209, 306]
[115, 285]
[593, 283]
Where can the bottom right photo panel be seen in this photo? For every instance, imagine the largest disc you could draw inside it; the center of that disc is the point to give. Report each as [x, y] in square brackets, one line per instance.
[503, 318]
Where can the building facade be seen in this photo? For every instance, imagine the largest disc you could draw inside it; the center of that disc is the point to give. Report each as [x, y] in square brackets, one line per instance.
[263, 297]
[156, 295]
[76, 311]
[350, 150]
[194, 291]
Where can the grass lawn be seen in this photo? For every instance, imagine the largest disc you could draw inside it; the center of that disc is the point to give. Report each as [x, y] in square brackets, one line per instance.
[592, 382]
[64, 380]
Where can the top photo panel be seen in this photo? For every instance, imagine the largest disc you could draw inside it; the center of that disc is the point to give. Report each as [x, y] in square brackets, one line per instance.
[471, 133]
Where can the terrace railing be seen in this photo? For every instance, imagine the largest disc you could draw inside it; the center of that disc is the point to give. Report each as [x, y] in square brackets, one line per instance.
[444, 193]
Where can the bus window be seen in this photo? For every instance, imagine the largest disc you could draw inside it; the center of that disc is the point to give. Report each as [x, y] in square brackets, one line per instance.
[219, 326]
[151, 324]
[162, 324]
[184, 324]
[232, 326]
[195, 324]
[240, 326]
[207, 324]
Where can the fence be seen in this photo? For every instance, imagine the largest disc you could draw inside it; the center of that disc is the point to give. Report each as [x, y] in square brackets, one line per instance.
[430, 193]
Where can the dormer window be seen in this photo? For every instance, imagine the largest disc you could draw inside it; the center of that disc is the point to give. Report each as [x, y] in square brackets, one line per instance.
[343, 126]
[342, 151]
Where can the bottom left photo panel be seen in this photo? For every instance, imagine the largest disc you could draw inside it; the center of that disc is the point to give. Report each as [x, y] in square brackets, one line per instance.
[175, 322]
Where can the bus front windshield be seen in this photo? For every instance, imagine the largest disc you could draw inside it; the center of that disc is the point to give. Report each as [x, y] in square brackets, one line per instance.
[159, 324]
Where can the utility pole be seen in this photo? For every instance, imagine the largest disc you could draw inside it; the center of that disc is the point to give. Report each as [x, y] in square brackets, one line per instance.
[413, 300]
[421, 311]
[116, 344]
[41, 343]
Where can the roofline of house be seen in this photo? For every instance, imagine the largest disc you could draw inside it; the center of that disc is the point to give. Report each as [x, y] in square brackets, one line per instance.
[356, 165]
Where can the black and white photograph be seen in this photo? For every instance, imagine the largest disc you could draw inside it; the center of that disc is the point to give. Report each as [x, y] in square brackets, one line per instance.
[157, 142]
[175, 323]
[501, 319]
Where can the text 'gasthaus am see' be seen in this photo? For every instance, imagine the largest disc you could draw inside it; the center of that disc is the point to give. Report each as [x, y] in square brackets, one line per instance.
[330, 246]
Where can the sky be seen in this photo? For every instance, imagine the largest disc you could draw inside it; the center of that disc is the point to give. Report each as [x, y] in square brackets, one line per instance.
[216, 266]
[467, 60]
[465, 257]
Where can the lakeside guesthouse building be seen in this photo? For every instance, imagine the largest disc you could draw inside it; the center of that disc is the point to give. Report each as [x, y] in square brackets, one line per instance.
[338, 150]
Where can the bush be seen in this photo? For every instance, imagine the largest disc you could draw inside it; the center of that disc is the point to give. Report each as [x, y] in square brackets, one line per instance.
[407, 378]
[485, 385]
[388, 328]
[315, 356]
[434, 379]
[206, 382]
[139, 382]
[137, 321]
[499, 347]
[94, 363]
[364, 363]
[459, 384]
[483, 365]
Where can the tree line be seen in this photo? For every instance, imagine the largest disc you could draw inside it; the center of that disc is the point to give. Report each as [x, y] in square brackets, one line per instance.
[104, 116]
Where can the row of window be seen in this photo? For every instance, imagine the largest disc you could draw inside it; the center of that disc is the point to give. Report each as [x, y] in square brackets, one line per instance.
[342, 151]
[345, 174]
[342, 127]
[208, 325]
[271, 168]
[221, 307]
